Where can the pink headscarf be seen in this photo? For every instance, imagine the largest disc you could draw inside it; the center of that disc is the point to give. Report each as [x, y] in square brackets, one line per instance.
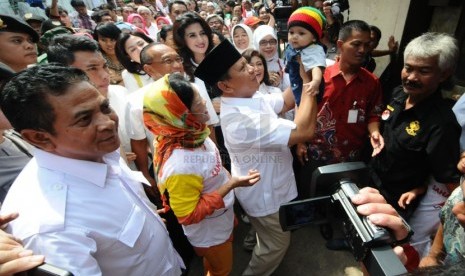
[164, 19]
[136, 15]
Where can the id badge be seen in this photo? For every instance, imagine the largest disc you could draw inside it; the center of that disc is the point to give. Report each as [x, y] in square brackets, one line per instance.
[353, 114]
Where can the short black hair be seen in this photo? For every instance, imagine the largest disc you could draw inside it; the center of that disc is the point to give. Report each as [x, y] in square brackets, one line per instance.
[377, 31]
[163, 33]
[98, 15]
[63, 47]
[77, 3]
[180, 2]
[122, 55]
[352, 25]
[231, 3]
[108, 30]
[24, 99]
[183, 88]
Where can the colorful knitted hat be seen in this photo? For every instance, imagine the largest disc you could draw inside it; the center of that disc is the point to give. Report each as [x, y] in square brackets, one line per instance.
[309, 18]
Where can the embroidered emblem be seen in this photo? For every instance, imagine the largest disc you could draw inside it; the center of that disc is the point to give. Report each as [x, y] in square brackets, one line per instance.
[413, 128]
[1, 24]
[386, 114]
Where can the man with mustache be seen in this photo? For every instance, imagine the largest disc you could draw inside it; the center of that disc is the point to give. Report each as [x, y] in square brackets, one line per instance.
[421, 135]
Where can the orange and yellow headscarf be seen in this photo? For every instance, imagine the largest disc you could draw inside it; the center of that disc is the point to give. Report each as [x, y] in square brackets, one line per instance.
[171, 122]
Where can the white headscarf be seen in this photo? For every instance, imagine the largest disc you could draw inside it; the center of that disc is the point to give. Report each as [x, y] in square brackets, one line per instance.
[275, 63]
[249, 34]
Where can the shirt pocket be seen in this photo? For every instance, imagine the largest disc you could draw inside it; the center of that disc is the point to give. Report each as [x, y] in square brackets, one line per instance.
[133, 227]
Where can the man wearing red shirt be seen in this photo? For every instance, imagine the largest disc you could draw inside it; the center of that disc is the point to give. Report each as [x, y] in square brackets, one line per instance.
[350, 110]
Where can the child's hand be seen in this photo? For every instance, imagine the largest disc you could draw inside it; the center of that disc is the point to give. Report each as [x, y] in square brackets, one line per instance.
[406, 198]
[311, 88]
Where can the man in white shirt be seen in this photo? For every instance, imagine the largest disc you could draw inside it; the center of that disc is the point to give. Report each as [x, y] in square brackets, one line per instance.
[256, 138]
[79, 204]
[83, 53]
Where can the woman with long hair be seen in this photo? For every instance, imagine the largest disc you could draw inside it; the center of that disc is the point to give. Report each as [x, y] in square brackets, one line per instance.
[106, 35]
[188, 165]
[193, 38]
[258, 62]
[128, 48]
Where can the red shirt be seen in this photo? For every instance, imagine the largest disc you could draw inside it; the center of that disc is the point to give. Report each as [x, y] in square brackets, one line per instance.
[344, 115]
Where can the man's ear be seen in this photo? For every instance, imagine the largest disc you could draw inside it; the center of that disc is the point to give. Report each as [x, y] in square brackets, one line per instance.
[223, 86]
[38, 138]
[339, 43]
[147, 69]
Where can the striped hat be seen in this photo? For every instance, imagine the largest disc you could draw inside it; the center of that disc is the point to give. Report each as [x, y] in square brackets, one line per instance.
[309, 18]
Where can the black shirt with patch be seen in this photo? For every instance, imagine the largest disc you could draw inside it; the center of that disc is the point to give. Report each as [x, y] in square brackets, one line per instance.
[419, 142]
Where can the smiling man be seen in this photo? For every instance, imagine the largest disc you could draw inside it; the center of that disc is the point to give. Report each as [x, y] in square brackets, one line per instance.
[79, 204]
[256, 138]
[421, 132]
[83, 53]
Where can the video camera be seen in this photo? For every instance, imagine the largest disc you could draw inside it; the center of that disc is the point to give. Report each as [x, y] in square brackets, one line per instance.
[369, 243]
[337, 6]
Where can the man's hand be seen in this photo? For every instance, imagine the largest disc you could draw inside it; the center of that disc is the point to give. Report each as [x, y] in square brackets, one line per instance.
[301, 152]
[130, 156]
[377, 142]
[393, 45]
[311, 88]
[373, 205]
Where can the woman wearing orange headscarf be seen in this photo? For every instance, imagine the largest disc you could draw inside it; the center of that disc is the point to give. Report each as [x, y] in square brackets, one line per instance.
[188, 166]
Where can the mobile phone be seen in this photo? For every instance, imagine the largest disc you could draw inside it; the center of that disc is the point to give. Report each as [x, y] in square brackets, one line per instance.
[295, 214]
[48, 270]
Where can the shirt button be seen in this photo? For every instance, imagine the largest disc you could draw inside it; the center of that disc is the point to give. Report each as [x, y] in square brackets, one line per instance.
[57, 187]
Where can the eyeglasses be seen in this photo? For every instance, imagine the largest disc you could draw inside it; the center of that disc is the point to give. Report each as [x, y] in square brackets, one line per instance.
[169, 61]
[271, 42]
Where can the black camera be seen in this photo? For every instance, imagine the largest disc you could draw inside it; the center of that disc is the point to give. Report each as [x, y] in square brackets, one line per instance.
[337, 6]
[370, 244]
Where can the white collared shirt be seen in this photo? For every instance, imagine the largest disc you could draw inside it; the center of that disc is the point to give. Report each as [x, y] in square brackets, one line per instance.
[256, 138]
[90, 218]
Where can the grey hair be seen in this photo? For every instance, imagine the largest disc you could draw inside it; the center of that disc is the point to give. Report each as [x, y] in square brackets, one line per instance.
[433, 44]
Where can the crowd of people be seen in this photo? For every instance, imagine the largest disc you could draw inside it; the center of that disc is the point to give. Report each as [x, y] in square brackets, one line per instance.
[131, 131]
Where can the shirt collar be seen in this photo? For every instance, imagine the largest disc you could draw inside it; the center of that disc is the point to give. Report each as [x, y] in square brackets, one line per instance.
[335, 70]
[93, 172]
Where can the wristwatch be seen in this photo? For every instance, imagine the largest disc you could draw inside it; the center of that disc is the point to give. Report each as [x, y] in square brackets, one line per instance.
[409, 234]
